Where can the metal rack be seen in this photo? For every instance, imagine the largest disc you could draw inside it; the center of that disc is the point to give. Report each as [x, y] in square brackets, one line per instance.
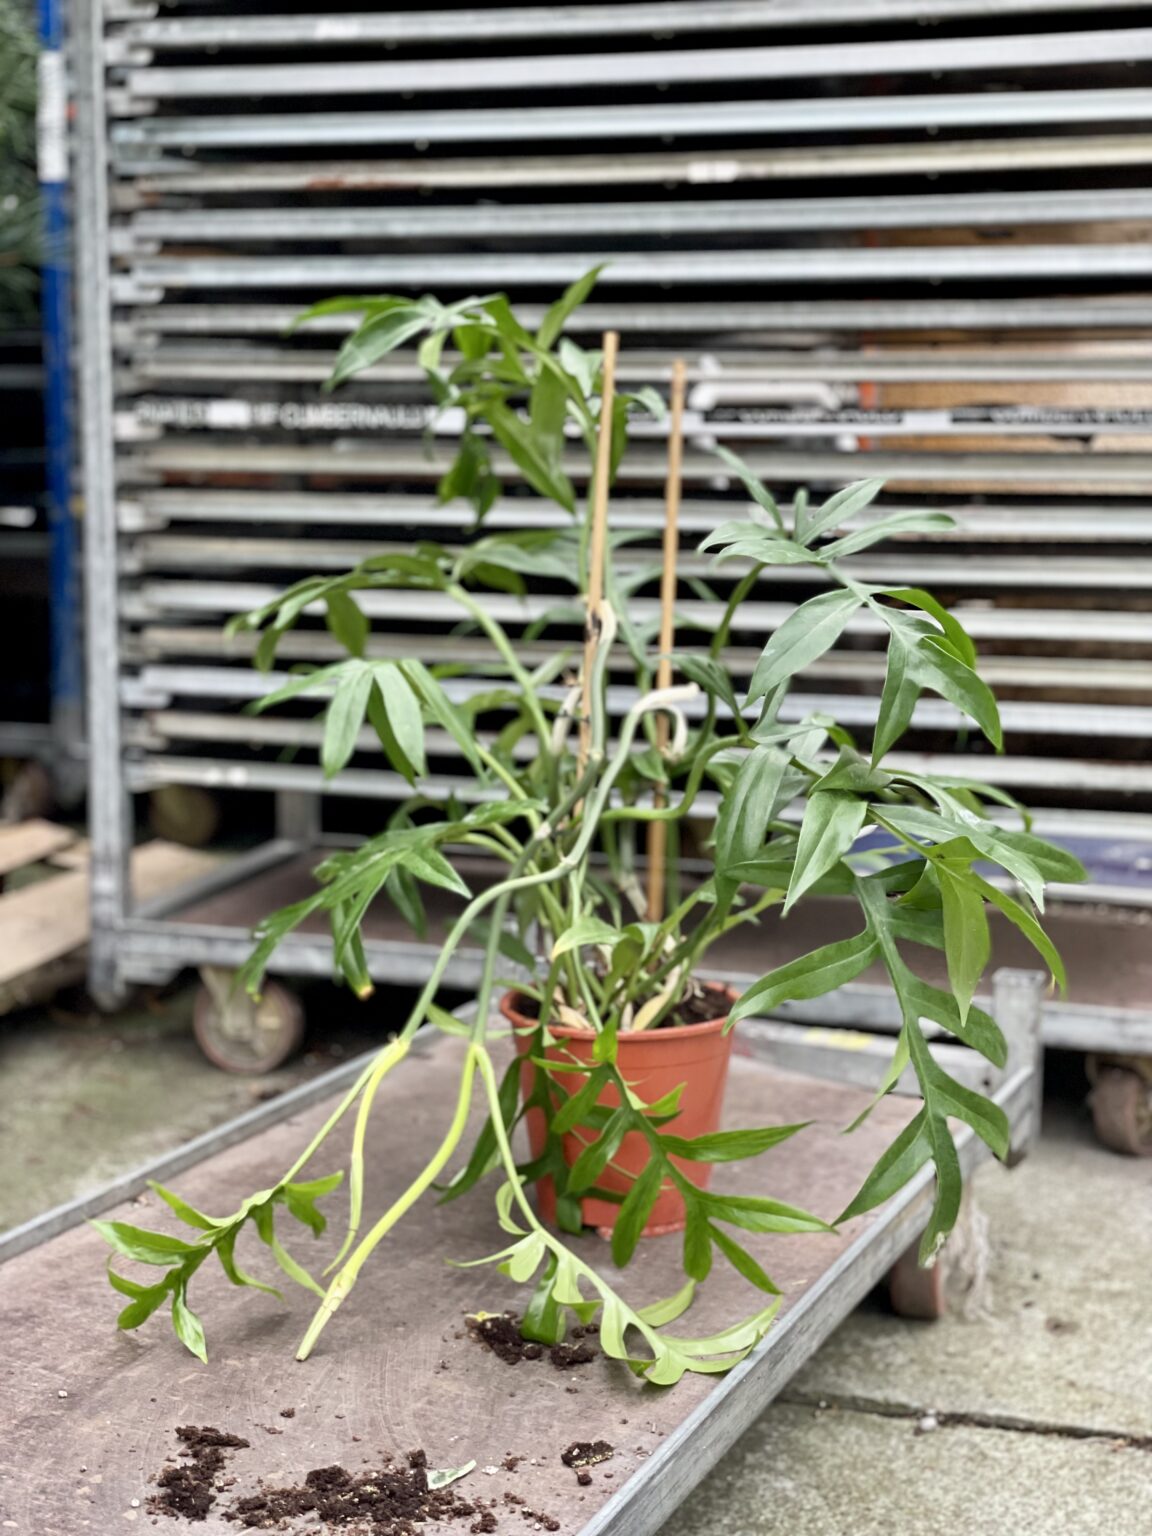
[919, 250]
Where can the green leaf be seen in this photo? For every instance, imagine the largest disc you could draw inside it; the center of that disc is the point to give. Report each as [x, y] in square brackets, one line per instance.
[697, 1240]
[1053, 863]
[226, 1253]
[344, 718]
[843, 505]
[145, 1298]
[585, 930]
[751, 484]
[347, 622]
[1028, 926]
[832, 819]
[265, 1219]
[568, 302]
[530, 456]
[884, 528]
[189, 1329]
[898, 699]
[485, 1152]
[763, 785]
[144, 1247]
[349, 304]
[756, 1214]
[811, 975]
[954, 631]
[382, 332]
[755, 542]
[974, 1027]
[938, 668]
[807, 632]
[730, 1146]
[573, 1111]
[543, 1318]
[596, 1155]
[709, 675]
[743, 1262]
[187, 1213]
[967, 944]
[301, 1198]
[658, 1313]
[444, 712]
[893, 1168]
[443, 1477]
[633, 1214]
[402, 707]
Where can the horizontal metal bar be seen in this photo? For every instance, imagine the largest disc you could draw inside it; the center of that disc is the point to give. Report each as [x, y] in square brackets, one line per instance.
[566, 21]
[748, 319]
[719, 367]
[1124, 721]
[566, 71]
[1016, 772]
[1106, 473]
[150, 179]
[160, 552]
[960, 263]
[158, 643]
[616, 122]
[1043, 523]
[157, 597]
[544, 221]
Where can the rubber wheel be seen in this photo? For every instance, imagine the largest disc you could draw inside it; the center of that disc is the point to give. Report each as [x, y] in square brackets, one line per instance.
[185, 814]
[915, 1292]
[239, 1035]
[1122, 1111]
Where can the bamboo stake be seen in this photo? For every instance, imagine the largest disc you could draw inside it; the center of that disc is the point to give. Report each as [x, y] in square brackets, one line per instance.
[597, 549]
[658, 830]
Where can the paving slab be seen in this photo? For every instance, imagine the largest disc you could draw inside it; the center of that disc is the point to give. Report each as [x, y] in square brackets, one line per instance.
[803, 1472]
[1065, 1337]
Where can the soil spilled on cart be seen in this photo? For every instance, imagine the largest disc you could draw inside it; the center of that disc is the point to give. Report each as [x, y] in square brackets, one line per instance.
[188, 1489]
[500, 1332]
[391, 1501]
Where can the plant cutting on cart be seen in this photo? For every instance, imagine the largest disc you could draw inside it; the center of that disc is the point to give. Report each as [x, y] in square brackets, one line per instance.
[621, 1048]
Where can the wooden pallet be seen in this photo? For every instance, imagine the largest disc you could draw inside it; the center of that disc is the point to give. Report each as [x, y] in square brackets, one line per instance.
[44, 924]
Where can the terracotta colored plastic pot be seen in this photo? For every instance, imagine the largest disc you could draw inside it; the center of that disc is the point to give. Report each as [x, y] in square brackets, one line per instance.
[654, 1062]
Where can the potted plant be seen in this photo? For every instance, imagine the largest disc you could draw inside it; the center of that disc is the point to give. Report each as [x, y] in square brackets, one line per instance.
[624, 1126]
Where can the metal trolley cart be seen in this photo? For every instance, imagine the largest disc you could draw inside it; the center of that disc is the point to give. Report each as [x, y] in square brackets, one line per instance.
[912, 249]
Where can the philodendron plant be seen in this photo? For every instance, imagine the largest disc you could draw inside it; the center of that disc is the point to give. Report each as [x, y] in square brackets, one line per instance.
[562, 792]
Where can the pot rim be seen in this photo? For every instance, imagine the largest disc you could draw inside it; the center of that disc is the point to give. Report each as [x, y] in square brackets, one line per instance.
[649, 1037]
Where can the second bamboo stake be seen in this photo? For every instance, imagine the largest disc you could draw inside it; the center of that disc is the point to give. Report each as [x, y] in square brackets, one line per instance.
[658, 830]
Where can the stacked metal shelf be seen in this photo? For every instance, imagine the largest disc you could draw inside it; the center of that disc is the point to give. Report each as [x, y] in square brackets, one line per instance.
[892, 237]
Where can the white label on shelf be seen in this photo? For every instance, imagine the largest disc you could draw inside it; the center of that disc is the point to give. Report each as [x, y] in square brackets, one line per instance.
[51, 118]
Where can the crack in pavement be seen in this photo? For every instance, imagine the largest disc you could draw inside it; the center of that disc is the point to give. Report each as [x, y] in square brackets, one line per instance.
[1007, 1422]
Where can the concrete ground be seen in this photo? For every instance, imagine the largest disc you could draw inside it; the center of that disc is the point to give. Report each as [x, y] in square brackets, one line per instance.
[1034, 1415]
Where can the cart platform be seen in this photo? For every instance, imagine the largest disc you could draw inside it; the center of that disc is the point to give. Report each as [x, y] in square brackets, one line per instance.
[90, 1413]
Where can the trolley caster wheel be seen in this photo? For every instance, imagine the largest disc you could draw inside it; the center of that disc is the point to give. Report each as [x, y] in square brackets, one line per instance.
[239, 1035]
[185, 814]
[917, 1293]
[1122, 1111]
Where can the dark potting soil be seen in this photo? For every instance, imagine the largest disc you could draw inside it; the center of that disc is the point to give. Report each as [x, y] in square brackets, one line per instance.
[392, 1501]
[501, 1333]
[189, 1490]
[587, 1453]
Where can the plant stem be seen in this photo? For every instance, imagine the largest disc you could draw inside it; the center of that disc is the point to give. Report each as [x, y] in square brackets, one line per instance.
[346, 1278]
